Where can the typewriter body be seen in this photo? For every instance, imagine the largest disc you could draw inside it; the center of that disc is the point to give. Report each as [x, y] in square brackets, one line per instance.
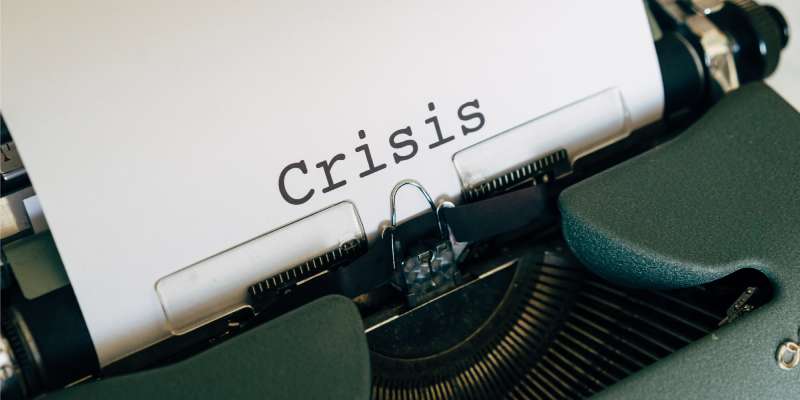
[658, 261]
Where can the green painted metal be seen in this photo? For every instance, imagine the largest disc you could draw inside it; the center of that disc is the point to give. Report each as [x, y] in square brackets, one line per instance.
[723, 196]
[318, 351]
[36, 264]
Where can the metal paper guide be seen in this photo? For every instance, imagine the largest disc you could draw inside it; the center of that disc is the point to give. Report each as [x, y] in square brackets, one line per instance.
[217, 286]
[164, 149]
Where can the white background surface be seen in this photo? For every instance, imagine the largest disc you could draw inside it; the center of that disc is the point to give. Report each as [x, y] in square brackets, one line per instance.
[154, 132]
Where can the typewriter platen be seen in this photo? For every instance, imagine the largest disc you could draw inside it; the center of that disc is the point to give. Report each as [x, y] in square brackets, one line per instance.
[664, 264]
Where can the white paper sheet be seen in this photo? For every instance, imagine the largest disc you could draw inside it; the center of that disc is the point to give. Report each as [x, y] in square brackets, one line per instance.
[155, 132]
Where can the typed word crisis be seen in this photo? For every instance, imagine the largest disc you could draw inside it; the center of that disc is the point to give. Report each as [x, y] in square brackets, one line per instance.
[403, 141]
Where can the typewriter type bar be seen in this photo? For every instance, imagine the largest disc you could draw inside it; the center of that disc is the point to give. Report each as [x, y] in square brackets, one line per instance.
[219, 285]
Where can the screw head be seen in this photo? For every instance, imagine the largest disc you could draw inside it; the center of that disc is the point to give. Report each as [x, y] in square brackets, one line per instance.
[788, 355]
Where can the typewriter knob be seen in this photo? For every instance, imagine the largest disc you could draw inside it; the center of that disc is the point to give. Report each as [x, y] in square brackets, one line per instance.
[782, 24]
[760, 33]
[13, 363]
[9, 377]
[770, 29]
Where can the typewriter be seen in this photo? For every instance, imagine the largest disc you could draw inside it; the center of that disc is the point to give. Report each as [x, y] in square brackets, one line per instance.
[645, 248]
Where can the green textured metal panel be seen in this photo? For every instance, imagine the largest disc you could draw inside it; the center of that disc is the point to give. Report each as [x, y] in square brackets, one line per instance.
[36, 264]
[723, 196]
[316, 352]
